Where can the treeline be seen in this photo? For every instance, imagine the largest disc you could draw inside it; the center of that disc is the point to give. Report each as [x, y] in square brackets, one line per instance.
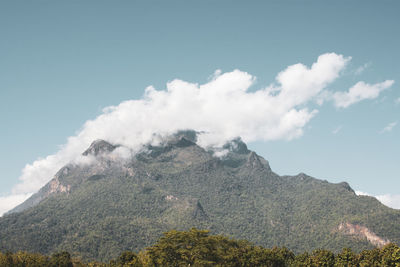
[198, 248]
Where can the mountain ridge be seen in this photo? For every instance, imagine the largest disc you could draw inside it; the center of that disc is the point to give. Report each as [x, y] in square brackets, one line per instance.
[97, 210]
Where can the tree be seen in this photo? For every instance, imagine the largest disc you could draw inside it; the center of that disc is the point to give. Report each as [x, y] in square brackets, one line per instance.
[390, 255]
[177, 248]
[30, 259]
[302, 260]
[323, 258]
[346, 258]
[6, 259]
[197, 248]
[369, 258]
[284, 254]
[128, 258]
[61, 259]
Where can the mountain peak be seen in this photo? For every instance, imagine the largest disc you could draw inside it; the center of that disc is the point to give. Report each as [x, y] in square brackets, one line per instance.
[254, 161]
[190, 135]
[99, 146]
[181, 141]
[236, 145]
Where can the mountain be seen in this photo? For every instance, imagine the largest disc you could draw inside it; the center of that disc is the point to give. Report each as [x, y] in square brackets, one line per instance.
[109, 204]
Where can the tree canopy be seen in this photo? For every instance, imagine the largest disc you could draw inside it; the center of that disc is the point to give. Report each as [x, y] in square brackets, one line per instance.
[199, 248]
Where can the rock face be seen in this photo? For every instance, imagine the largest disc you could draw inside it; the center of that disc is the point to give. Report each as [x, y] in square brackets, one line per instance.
[61, 182]
[99, 147]
[362, 232]
[57, 187]
[98, 209]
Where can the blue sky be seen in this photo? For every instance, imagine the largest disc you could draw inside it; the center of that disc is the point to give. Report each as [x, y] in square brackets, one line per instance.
[62, 62]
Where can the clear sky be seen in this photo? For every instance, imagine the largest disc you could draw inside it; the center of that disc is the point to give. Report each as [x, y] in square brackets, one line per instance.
[62, 62]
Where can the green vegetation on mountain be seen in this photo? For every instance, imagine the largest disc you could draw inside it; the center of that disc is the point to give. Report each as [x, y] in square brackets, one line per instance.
[198, 248]
[97, 210]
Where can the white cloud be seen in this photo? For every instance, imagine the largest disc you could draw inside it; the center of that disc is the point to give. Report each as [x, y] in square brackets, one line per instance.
[221, 153]
[360, 91]
[337, 129]
[390, 200]
[360, 193]
[361, 69]
[215, 75]
[9, 202]
[397, 101]
[389, 127]
[222, 109]
[299, 84]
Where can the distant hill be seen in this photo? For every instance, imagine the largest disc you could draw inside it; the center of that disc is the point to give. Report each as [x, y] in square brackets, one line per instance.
[99, 209]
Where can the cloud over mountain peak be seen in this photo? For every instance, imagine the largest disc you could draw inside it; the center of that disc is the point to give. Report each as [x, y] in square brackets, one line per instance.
[220, 110]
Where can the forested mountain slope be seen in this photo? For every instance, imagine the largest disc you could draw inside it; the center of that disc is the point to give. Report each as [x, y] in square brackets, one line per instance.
[99, 209]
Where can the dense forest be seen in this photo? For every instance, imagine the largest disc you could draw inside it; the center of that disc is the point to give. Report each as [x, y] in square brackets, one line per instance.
[198, 248]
